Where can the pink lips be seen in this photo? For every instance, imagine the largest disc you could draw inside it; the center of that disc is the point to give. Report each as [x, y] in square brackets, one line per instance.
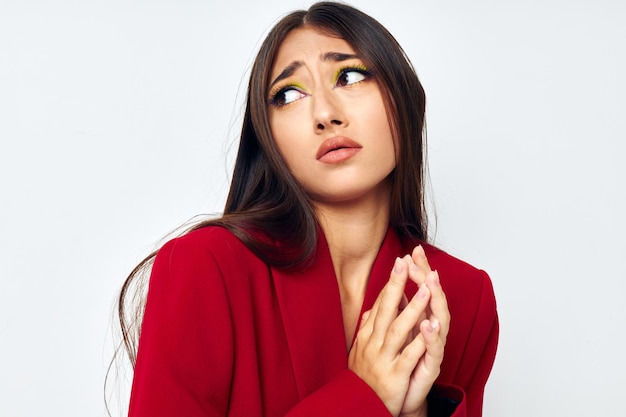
[337, 149]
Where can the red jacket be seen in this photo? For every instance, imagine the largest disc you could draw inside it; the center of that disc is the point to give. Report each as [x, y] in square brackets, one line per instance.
[225, 334]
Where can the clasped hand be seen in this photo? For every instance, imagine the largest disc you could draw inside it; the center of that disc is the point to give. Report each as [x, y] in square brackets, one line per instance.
[399, 345]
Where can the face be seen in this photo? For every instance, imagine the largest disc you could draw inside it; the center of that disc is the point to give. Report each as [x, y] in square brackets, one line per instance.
[328, 119]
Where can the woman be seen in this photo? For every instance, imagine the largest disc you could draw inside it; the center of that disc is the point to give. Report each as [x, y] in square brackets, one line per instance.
[316, 293]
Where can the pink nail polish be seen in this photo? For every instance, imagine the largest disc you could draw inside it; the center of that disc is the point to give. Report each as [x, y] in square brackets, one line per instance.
[398, 267]
[434, 324]
[421, 293]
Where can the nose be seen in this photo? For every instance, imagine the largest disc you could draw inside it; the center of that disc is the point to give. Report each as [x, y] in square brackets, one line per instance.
[327, 112]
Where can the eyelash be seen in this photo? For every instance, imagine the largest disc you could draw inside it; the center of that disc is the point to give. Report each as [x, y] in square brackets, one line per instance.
[278, 91]
[361, 69]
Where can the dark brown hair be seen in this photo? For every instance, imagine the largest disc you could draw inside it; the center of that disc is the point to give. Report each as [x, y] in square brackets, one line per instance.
[266, 208]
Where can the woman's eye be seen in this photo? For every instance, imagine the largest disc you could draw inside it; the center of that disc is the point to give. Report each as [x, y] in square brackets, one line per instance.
[287, 95]
[350, 76]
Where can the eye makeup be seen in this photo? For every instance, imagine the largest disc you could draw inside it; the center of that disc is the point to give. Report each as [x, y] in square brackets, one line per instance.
[282, 94]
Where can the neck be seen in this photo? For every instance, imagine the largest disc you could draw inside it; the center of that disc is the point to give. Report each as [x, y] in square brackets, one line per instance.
[354, 232]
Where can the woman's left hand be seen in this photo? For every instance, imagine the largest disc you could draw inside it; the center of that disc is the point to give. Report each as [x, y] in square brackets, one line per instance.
[433, 331]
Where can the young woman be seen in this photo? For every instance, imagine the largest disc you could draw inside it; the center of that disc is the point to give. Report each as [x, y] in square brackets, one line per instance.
[316, 293]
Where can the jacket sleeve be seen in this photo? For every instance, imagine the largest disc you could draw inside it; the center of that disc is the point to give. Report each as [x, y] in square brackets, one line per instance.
[345, 396]
[464, 396]
[185, 360]
[179, 370]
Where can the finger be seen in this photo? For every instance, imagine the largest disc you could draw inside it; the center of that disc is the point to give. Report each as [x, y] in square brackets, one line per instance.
[419, 257]
[412, 353]
[438, 304]
[364, 317]
[397, 265]
[403, 303]
[419, 267]
[390, 298]
[418, 274]
[372, 312]
[431, 363]
[416, 329]
[401, 329]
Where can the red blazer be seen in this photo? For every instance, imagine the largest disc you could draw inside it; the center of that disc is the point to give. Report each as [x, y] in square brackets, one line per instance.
[225, 334]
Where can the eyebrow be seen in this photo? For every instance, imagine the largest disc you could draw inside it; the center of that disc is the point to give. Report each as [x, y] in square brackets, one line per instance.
[328, 56]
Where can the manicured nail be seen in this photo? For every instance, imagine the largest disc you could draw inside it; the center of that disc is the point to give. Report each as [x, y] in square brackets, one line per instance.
[434, 324]
[398, 267]
[436, 277]
[421, 293]
[419, 251]
[429, 328]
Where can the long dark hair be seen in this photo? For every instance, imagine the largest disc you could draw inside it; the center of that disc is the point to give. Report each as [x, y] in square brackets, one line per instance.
[265, 204]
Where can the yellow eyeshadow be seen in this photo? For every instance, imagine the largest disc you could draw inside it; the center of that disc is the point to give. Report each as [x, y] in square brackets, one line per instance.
[280, 87]
[350, 67]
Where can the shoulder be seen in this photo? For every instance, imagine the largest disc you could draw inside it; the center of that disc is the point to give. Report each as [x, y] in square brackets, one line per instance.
[441, 260]
[211, 246]
[464, 284]
[210, 238]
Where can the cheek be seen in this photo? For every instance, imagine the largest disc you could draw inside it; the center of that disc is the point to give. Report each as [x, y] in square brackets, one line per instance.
[278, 129]
[386, 125]
[283, 125]
[285, 138]
[382, 128]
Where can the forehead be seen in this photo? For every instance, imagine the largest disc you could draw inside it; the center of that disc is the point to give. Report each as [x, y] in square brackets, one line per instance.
[306, 44]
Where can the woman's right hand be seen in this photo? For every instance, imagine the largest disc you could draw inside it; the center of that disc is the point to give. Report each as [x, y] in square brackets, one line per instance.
[386, 350]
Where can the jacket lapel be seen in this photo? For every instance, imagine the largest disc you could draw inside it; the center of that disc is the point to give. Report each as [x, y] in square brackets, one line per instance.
[311, 310]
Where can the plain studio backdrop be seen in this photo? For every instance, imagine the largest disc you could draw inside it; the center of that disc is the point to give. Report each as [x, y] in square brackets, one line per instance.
[119, 121]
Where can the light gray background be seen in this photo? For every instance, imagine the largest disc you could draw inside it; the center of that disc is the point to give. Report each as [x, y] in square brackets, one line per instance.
[117, 122]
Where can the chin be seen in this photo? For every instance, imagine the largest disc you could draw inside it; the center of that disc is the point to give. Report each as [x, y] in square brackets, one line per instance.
[352, 195]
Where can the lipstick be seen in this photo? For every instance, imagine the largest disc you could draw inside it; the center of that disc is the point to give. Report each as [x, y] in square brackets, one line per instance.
[337, 149]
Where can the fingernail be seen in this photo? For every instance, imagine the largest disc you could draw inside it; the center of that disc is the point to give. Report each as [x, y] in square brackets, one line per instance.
[419, 251]
[398, 267]
[436, 277]
[434, 324]
[421, 293]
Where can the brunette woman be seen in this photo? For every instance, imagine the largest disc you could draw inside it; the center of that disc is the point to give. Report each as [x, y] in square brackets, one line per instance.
[317, 293]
